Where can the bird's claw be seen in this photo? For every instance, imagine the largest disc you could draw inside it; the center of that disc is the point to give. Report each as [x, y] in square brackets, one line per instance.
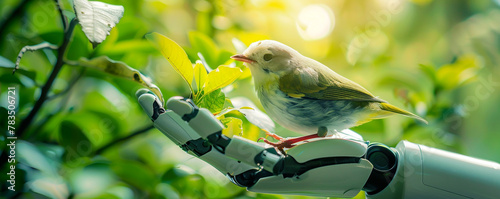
[285, 142]
[280, 145]
[272, 135]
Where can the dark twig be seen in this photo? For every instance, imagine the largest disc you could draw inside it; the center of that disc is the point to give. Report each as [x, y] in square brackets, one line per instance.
[72, 83]
[63, 18]
[46, 87]
[61, 105]
[110, 144]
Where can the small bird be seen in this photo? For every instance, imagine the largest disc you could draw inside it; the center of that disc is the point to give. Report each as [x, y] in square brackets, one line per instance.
[307, 97]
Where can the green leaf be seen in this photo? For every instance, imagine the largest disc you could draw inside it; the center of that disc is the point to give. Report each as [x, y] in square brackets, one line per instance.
[228, 103]
[74, 140]
[175, 55]
[92, 179]
[109, 122]
[177, 172]
[372, 130]
[49, 186]
[185, 180]
[109, 43]
[454, 75]
[233, 126]
[231, 109]
[8, 78]
[204, 45]
[268, 196]
[214, 101]
[410, 81]
[204, 21]
[120, 69]
[430, 71]
[30, 155]
[79, 46]
[191, 53]
[225, 57]
[124, 47]
[135, 173]
[4, 62]
[29, 74]
[221, 77]
[7, 64]
[53, 37]
[200, 75]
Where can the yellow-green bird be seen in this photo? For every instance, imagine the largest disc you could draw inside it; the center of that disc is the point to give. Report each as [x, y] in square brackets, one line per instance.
[305, 96]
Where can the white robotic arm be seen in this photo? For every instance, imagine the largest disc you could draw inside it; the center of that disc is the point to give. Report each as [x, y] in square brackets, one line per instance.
[425, 172]
[326, 167]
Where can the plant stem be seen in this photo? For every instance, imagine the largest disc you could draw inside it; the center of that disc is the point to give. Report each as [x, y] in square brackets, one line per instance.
[63, 18]
[46, 87]
[110, 144]
[71, 83]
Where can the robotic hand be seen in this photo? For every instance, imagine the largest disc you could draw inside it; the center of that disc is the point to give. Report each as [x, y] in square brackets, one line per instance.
[332, 167]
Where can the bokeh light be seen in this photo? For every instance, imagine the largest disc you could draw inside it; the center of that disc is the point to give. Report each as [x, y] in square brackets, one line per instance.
[315, 22]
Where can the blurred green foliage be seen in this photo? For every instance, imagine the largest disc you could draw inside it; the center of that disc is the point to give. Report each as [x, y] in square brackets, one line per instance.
[438, 59]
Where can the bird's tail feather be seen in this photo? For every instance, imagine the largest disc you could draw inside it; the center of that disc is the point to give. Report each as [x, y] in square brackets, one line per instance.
[394, 109]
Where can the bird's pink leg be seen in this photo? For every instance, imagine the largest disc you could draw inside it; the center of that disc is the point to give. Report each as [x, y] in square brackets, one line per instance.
[273, 135]
[286, 142]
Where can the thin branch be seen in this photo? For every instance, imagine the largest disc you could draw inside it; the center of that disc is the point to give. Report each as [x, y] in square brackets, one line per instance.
[46, 87]
[61, 105]
[70, 85]
[63, 18]
[138, 132]
[32, 48]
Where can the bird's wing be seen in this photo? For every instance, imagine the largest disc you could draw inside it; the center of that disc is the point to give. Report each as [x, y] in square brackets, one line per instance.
[309, 83]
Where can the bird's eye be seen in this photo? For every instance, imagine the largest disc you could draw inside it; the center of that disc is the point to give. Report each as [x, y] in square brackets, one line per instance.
[268, 57]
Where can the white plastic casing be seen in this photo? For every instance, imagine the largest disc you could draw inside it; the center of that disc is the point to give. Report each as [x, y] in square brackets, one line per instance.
[179, 106]
[178, 130]
[170, 124]
[426, 172]
[225, 164]
[327, 147]
[205, 124]
[340, 180]
[246, 151]
[343, 180]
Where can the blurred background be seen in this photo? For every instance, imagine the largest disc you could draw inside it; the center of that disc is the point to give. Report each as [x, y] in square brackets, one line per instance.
[438, 59]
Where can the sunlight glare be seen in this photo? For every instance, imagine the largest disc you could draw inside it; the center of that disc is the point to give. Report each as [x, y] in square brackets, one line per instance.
[315, 22]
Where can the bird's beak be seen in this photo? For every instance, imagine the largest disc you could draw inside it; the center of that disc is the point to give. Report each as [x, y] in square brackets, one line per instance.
[242, 58]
